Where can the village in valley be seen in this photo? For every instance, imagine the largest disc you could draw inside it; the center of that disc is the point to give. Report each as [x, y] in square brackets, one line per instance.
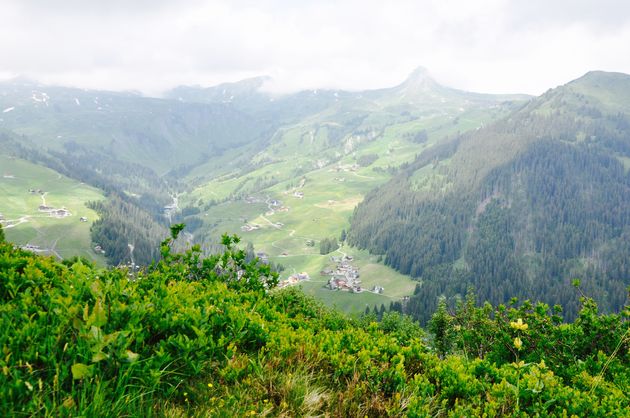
[342, 274]
[342, 277]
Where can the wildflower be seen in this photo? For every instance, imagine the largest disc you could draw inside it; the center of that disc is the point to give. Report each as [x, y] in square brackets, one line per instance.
[284, 404]
[519, 365]
[68, 402]
[518, 343]
[210, 385]
[519, 325]
[542, 364]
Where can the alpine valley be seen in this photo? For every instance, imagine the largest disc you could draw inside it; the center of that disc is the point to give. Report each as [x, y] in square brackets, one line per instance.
[373, 200]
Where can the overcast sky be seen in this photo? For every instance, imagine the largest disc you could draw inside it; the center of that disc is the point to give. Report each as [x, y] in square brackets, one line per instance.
[516, 46]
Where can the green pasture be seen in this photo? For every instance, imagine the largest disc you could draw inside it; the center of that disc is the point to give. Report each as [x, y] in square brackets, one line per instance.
[330, 193]
[25, 224]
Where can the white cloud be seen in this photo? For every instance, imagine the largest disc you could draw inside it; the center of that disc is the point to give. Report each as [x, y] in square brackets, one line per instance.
[486, 45]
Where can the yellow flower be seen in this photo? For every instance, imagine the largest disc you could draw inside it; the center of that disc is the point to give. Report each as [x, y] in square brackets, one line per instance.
[209, 385]
[519, 325]
[518, 343]
[519, 365]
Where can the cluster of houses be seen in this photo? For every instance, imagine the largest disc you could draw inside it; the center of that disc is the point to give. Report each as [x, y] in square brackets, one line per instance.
[57, 213]
[250, 227]
[275, 206]
[31, 247]
[294, 279]
[345, 276]
[36, 191]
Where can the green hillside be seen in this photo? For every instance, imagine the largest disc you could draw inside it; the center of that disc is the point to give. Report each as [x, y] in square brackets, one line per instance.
[155, 133]
[24, 188]
[519, 208]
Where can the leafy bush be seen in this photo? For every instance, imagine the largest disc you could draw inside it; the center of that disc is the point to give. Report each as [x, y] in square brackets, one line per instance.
[211, 337]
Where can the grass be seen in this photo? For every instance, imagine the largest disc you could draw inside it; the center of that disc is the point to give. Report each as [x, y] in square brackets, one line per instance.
[64, 237]
[344, 301]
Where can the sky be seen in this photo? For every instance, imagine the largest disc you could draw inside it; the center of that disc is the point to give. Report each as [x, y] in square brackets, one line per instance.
[493, 46]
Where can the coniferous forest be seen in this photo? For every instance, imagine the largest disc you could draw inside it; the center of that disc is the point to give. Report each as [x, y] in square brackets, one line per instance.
[552, 207]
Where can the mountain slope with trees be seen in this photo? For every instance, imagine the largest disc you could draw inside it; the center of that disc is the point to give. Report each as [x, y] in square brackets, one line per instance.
[519, 208]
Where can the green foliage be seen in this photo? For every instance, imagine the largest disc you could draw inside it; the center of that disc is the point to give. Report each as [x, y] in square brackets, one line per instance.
[123, 225]
[200, 336]
[511, 223]
[366, 160]
[1, 234]
[440, 327]
[328, 245]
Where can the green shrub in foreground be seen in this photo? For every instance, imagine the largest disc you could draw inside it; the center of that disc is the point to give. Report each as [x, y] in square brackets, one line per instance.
[201, 337]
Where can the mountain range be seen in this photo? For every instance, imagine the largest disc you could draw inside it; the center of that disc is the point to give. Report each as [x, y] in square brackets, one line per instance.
[511, 195]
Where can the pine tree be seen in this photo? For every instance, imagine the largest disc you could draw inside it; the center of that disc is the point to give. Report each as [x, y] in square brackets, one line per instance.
[440, 327]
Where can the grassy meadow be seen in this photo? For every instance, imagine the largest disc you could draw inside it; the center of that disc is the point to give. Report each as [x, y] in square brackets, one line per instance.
[315, 203]
[25, 224]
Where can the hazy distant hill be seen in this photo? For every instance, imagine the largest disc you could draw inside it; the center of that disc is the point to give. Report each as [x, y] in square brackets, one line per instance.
[325, 124]
[518, 208]
[418, 92]
[160, 134]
